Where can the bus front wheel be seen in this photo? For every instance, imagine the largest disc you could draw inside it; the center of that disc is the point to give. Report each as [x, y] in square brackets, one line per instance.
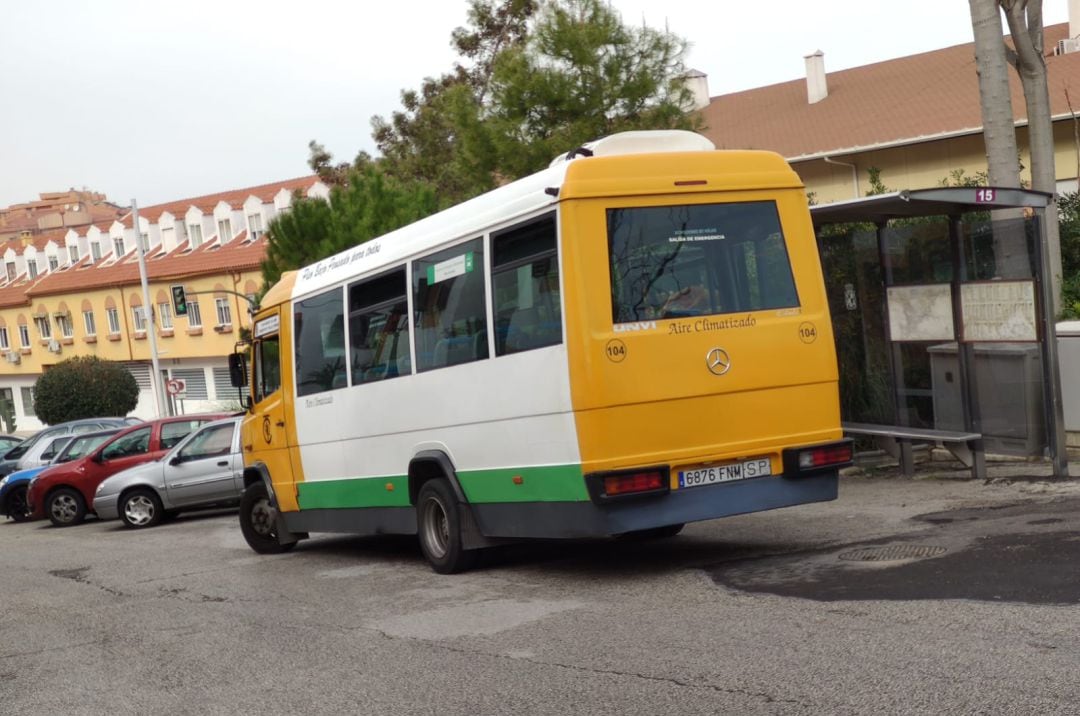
[258, 521]
[438, 522]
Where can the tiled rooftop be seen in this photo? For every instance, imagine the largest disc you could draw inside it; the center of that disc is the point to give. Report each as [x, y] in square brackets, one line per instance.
[898, 101]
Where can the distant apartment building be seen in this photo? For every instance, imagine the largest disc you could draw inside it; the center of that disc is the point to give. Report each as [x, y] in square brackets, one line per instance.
[56, 210]
[76, 291]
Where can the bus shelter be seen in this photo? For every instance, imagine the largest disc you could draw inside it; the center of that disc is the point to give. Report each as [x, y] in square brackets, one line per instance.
[943, 314]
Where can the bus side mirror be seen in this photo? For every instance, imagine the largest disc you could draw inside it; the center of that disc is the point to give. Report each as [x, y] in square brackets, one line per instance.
[237, 370]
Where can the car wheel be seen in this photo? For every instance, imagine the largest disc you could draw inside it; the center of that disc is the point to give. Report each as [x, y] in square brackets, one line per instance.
[17, 507]
[438, 521]
[65, 507]
[140, 508]
[258, 521]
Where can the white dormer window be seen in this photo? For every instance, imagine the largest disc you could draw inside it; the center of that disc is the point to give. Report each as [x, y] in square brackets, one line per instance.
[31, 269]
[95, 251]
[195, 232]
[73, 253]
[144, 240]
[118, 246]
[11, 271]
[224, 228]
[255, 227]
[54, 262]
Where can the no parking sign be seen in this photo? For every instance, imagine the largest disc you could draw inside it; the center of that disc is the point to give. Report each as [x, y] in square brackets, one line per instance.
[176, 387]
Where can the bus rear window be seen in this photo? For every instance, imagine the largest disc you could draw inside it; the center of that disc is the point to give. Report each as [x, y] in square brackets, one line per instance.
[696, 260]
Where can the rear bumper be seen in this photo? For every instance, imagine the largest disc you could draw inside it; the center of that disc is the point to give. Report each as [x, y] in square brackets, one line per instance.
[587, 519]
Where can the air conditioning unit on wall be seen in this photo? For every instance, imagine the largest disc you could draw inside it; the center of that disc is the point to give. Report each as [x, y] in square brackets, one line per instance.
[54, 346]
[1066, 46]
[14, 357]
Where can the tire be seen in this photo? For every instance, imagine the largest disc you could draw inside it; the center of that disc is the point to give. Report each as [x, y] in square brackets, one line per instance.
[17, 507]
[438, 524]
[141, 508]
[665, 532]
[65, 507]
[258, 521]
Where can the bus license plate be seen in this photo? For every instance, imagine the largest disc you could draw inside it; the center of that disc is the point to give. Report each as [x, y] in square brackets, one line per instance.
[758, 467]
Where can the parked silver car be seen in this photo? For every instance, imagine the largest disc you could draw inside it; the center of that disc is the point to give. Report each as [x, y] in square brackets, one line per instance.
[203, 470]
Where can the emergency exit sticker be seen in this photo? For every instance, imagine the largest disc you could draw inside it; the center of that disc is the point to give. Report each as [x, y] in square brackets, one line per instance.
[451, 268]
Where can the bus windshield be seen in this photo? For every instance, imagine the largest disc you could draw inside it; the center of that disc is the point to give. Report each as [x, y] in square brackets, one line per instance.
[695, 260]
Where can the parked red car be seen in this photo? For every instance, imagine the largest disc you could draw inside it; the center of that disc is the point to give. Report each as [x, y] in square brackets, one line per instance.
[62, 493]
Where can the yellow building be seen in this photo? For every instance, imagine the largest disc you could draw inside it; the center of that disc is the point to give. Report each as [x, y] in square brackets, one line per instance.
[917, 119]
[77, 291]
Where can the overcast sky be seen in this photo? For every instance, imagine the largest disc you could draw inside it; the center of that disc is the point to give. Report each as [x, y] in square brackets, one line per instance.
[164, 101]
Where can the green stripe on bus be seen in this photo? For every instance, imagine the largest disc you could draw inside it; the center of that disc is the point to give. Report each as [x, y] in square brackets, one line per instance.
[551, 483]
[354, 492]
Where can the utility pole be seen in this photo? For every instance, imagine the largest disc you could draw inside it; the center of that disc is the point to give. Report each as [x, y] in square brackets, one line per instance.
[148, 316]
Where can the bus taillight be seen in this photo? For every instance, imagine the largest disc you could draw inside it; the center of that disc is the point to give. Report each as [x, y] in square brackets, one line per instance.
[628, 483]
[817, 458]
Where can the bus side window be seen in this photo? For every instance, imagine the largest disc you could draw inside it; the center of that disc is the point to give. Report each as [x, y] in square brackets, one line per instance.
[267, 367]
[379, 328]
[320, 343]
[450, 306]
[525, 281]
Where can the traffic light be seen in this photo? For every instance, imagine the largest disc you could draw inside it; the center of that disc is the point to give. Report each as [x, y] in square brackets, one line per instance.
[179, 301]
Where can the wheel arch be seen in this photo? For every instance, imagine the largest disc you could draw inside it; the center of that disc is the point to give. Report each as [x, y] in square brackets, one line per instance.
[258, 472]
[432, 465]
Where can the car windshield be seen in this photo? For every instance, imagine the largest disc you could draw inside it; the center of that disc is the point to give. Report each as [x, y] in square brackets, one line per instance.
[83, 445]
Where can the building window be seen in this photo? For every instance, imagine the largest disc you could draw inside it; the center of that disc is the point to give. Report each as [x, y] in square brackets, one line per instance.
[255, 227]
[144, 240]
[95, 251]
[28, 401]
[165, 316]
[31, 268]
[224, 311]
[88, 322]
[118, 246]
[194, 317]
[73, 254]
[66, 329]
[138, 318]
[114, 321]
[224, 228]
[4, 345]
[24, 335]
[195, 233]
[54, 262]
[11, 271]
[44, 328]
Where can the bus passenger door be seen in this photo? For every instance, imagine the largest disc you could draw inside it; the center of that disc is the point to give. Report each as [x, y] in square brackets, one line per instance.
[267, 438]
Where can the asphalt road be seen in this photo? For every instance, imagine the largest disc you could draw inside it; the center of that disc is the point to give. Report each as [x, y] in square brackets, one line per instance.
[902, 597]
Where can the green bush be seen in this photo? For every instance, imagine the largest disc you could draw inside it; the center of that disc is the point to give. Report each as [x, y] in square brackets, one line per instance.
[84, 387]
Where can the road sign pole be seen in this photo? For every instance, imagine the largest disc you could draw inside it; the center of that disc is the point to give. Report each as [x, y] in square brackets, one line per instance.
[148, 316]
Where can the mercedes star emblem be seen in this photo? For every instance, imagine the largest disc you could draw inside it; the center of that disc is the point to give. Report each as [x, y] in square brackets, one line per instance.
[717, 361]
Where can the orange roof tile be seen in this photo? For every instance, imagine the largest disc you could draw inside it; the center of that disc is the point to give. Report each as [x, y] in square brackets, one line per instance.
[234, 198]
[899, 101]
[180, 263]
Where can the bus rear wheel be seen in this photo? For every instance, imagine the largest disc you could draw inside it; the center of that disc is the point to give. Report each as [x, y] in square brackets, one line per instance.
[258, 521]
[438, 522]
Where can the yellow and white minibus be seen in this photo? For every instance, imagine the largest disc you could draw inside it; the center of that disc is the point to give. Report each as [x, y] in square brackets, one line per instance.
[635, 338]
